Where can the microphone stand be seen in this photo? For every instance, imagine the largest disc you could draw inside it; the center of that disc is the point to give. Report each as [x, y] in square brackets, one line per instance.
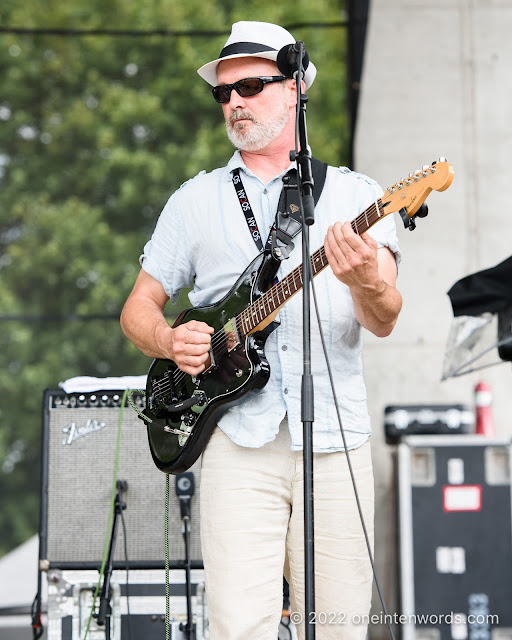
[307, 208]
[187, 628]
[104, 615]
[184, 490]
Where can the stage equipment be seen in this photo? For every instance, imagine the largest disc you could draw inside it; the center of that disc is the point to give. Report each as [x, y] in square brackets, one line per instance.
[455, 526]
[482, 310]
[413, 419]
[185, 488]
[79, 449]
[138, 607]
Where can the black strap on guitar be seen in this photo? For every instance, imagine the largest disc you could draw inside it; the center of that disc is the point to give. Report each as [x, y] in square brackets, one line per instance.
[288, 223]
[288, 216]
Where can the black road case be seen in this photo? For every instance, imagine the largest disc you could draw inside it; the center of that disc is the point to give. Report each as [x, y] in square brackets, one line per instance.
[455, 538]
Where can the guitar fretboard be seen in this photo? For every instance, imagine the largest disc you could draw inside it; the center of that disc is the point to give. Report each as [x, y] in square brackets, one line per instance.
[282, 291]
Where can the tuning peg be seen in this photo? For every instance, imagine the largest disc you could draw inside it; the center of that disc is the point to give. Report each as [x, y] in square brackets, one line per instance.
[422, 211]
[442, 159]
[425, 167]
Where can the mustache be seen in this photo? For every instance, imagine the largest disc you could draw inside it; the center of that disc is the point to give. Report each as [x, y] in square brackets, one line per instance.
[240, 114]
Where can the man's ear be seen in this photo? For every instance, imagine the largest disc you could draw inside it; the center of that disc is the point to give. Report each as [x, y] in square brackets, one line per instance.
[292, 88]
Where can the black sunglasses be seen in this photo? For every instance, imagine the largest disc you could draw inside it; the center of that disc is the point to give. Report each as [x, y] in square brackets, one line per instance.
[245, 88]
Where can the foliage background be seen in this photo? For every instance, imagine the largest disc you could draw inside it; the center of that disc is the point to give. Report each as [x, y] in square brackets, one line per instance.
[95, 133]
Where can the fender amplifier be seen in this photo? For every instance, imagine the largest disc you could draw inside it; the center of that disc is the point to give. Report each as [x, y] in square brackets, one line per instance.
[80, 434]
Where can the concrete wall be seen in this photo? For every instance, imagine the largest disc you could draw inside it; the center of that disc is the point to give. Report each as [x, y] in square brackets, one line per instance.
[436, 82]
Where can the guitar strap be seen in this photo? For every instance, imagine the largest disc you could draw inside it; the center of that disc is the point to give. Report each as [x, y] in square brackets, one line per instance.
[288, 223]
[288, 215]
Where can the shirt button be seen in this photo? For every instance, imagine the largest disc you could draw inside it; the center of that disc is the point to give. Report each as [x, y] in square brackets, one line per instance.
[284, 347]
[265, 191]
[285, 391]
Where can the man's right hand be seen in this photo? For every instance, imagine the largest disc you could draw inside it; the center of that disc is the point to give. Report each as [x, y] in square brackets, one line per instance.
[143, 322]
[188, 345]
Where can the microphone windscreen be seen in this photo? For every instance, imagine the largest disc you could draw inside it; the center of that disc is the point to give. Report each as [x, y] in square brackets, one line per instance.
[288, 60]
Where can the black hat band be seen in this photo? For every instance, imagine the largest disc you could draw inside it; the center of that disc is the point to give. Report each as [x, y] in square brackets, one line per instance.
[244, 47]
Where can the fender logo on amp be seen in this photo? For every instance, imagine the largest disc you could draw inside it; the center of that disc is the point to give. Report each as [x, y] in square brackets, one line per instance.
[74, 432]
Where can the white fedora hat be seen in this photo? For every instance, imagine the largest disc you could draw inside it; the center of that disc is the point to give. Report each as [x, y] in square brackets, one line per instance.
[259, 39]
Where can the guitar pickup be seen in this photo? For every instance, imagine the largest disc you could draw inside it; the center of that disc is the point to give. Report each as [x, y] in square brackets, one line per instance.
[231, 334]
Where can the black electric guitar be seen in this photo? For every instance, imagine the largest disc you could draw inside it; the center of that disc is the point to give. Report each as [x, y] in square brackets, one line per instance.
[181, 410]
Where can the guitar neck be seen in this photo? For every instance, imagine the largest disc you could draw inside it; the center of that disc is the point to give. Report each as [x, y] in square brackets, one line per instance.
[260, 313]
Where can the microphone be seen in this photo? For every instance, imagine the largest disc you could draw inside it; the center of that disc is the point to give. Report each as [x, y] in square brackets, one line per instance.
[288, 59]
[185, 487]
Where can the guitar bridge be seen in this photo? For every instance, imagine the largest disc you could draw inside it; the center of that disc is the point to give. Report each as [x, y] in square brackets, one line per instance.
[163, 393]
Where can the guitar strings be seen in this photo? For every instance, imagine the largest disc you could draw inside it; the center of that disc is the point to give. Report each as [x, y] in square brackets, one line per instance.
[219, 338]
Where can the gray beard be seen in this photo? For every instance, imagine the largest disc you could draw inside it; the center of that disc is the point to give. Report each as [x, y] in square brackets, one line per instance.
[260, 134]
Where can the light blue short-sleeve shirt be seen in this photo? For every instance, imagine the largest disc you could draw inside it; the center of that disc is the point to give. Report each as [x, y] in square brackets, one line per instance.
[202, 238]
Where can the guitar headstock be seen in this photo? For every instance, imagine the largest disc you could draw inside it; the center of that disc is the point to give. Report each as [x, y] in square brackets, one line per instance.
[409, 194]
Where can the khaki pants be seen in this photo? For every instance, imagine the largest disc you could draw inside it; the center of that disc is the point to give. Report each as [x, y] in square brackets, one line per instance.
[252, 531]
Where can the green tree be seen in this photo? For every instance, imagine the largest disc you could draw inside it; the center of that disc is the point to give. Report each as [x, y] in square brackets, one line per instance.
[95, 133]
